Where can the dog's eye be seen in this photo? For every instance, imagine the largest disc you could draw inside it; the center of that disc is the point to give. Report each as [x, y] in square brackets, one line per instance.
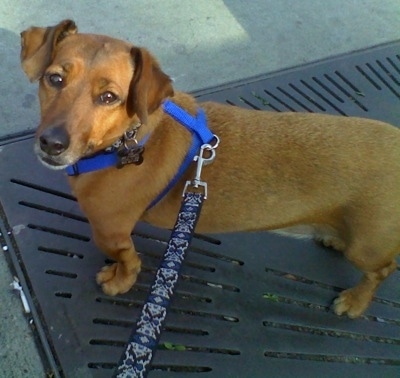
[108, 98]
[55, 80]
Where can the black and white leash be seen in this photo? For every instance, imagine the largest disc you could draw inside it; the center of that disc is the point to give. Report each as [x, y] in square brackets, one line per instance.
[136, 359]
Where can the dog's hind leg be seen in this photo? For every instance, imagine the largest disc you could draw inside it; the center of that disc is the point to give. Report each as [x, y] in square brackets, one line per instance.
[376, 263]
[329, 238]
[323, 234]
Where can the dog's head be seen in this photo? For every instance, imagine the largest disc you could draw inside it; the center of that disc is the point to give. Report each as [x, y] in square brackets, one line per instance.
[92, 89]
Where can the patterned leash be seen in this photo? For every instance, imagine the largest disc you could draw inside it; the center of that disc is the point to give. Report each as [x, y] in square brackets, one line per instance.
[135, 361]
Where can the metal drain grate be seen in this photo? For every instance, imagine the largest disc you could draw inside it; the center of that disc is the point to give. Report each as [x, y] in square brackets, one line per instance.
[365, 84]
[248, 304]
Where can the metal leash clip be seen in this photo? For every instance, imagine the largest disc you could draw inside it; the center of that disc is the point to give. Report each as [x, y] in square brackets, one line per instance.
[202, 161]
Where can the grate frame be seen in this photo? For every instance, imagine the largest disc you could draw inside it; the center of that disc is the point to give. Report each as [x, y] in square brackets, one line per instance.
[235, 313]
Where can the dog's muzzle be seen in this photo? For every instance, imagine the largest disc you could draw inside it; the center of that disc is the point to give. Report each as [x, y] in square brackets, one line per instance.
[51, 143]
[54, 140]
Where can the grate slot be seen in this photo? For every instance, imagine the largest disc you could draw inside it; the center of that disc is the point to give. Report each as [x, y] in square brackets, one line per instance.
[247, 102]
[230, 103]
[130, 324]
[287, 106]
[217, 256]
[61, 273]
[58, 232]
[264, 101]
[328, 90]
[189, 348]
[207, 239]
[53, 211]
[43, 189]
[381, 78]
[296, 101]
[187, 331]
[387, 72]
[102, 365]
[369, 78]
[195, 298]
[163, 368]
[138, 304]
[308, 98]
[345, 92]
[60, 252]
[155, 235]
[331, 333]
[290, 301]
[197, 266]
[356, 90]
[201, 314]
[332, 358]
[394, 66]
[63, 294]
[297, 278]
[218, 285]
[114, 322]
[113, 343]
[322, 97]
[181, 369]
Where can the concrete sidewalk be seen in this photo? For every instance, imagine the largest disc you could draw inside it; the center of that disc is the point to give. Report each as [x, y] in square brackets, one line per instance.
[200, 44]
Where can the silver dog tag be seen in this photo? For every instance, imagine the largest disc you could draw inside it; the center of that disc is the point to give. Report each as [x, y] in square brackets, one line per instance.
[129, 155]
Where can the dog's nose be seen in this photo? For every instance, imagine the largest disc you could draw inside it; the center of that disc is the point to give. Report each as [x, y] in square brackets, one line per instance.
[54, 140]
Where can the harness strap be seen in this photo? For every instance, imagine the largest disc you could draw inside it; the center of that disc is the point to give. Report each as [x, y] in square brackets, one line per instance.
[197, 125]
[201, 135]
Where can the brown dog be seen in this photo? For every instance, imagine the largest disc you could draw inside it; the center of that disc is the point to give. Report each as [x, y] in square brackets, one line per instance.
[335, 179]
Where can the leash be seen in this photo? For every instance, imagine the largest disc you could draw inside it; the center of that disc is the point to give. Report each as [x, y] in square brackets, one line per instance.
[136, 359]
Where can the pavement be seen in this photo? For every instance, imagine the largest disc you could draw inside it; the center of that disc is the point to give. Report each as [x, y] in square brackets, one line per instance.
[200, 44]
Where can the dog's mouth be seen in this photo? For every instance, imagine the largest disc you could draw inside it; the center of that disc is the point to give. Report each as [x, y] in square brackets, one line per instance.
[51, 163]
[63, 160]
[56, 162]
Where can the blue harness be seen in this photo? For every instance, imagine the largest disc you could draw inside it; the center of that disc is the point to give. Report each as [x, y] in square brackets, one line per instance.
[197, 125]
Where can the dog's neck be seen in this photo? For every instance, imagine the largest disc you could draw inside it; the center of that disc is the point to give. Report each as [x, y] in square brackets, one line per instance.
[195, 124]
[130, 134]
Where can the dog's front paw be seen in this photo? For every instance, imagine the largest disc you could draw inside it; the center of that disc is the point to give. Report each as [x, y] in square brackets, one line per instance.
[114, 281]
[350, 302]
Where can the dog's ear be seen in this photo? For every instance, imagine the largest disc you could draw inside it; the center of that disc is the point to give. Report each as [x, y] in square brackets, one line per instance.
[149, 85]
[38, 44]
